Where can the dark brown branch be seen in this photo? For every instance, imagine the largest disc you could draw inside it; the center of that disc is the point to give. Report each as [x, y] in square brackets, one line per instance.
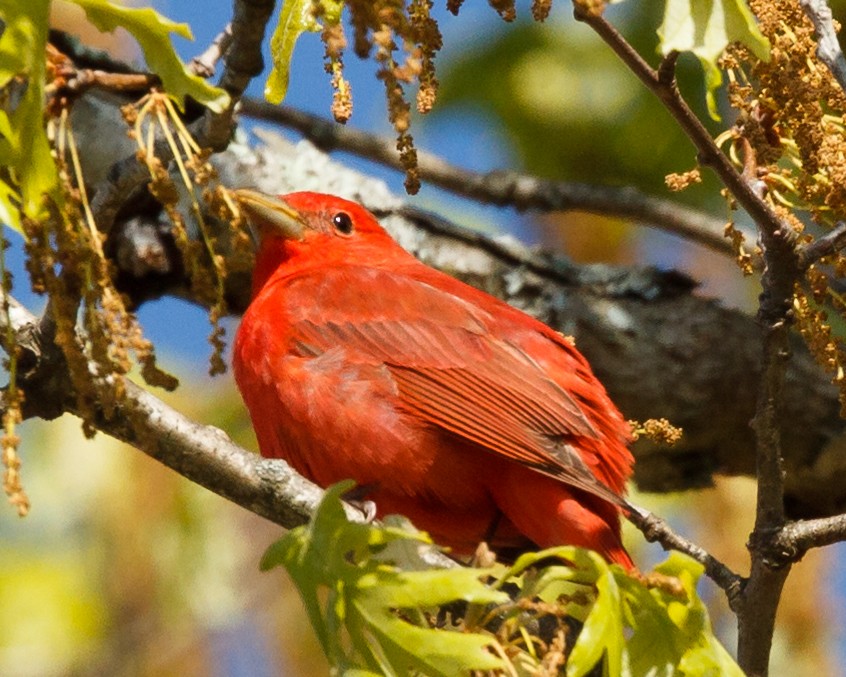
[505, 187]
[757, 615]
[656, 529]
[830, 243]
[757, 606]
[757, 612]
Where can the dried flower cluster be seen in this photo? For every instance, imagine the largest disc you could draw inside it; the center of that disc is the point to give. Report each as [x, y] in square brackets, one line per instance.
[678, 182]
[791, 132]
[738, 241]
[403, 39]
[99, 336]
[67, 261]
[659, 430]
[154, 116]
[12, 400]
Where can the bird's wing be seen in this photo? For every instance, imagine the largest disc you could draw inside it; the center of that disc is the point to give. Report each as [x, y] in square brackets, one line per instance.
[457, 368]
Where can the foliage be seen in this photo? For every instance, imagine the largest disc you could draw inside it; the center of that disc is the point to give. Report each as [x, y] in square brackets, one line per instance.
[24, 150]
[706, 29]
[373, 616]
[347, 583]
[152, 31]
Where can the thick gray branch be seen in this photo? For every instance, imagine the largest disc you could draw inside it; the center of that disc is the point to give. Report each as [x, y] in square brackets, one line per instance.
[507, 187]
[661, 350]
[828, 47]
[204, 454]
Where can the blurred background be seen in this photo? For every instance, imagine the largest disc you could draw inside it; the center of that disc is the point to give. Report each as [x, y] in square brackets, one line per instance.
[125, 568]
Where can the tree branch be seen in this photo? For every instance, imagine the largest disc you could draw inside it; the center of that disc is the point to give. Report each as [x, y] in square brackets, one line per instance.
[756, 608]
[204, 65]
[826, 245]
[828, 46]
[798, 537]
[656, 529]
[506, 187]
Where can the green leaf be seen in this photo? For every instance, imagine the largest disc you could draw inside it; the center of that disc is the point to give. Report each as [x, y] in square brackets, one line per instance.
[702, 652]
[371, 616]
[706, 27]
[602, 633]
[9, 211]
[352, 589]
[24, 149]
[152, 31]
[654, 648]
[296, 18]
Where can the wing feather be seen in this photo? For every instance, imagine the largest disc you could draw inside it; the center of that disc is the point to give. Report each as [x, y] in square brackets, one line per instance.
[441, 398]
[457, 368]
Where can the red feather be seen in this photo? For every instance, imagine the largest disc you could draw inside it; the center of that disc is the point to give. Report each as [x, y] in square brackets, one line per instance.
[451, 407]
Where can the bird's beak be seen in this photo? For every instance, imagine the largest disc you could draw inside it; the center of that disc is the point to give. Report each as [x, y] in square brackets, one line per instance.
[270, 215]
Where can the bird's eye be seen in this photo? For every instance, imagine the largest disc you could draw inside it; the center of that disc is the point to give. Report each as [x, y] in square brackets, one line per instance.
[343, 223]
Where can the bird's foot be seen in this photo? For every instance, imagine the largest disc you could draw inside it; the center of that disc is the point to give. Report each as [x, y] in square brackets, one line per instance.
[356, 498]
[367, 508]
[484, 557]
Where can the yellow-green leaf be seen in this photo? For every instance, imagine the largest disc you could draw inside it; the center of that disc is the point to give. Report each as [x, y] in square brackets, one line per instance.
[9, 212]
[24, 149]
[295, 19]
[706, 27]
[351, 588]
[602, 633]
[152, 31]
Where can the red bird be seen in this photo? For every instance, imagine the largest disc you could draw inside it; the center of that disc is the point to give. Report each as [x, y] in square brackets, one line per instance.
[444, 404]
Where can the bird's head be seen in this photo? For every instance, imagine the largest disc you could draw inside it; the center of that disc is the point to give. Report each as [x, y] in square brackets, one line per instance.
[303, 229]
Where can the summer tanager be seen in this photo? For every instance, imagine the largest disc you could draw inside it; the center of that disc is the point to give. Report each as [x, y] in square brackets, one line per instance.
[444, 404]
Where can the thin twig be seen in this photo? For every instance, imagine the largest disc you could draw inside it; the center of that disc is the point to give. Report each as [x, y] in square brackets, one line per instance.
[828, 47]
[87, 78]
[505, 187]
[204, 65]
[656, 529]
[799, 537]
[243, 62]
[830, 243]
